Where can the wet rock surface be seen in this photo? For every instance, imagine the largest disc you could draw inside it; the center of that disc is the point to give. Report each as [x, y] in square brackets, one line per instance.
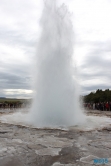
[24, 146]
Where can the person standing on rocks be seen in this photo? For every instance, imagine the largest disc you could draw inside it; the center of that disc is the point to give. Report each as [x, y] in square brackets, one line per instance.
[93, 106]
[107, 106]
[110, 106]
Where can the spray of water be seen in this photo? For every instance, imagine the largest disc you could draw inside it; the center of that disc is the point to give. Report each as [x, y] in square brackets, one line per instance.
[56, 90]
[56, 102]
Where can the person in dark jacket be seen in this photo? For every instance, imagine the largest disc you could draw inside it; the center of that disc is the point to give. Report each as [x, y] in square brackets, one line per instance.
[110, 105]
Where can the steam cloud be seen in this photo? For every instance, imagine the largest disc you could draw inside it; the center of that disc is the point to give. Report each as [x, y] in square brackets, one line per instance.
[56, 91]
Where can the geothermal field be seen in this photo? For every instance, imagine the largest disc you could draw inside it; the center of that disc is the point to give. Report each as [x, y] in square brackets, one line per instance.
[23, 144]
[56, 130]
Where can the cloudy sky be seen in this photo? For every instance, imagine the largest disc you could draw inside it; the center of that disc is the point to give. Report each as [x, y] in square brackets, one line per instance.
[20, 31]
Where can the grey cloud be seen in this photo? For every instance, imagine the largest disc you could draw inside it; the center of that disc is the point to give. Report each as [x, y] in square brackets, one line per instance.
[15, 95]
[18, 33]
[15, 38]
[97, 59]
[96, 46]
[99, 66]
[91, 76]
[14, 76]
[96, 56]
[11, 81]
[15, 34]
[95, 87]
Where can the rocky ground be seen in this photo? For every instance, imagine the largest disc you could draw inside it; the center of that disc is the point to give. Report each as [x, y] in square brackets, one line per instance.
[24, 146]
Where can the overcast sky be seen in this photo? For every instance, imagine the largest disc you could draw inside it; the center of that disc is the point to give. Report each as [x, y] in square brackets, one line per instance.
[20, 31]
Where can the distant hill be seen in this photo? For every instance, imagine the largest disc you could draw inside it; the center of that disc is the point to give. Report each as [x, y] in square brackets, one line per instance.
[13, 100]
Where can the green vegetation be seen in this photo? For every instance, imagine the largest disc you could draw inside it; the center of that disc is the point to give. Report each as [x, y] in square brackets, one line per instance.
[98, 96]
[10, 100]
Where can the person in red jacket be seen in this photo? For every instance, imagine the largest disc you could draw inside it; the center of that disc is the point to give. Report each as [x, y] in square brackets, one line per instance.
[107, 106]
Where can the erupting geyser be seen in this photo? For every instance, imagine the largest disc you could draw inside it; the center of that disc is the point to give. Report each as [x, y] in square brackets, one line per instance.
[56, 91]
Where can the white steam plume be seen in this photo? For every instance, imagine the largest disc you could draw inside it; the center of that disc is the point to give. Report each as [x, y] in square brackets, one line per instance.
[56, 91]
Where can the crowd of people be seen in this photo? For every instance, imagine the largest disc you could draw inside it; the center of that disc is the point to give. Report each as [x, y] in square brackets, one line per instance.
[103, 106]
[11, 105]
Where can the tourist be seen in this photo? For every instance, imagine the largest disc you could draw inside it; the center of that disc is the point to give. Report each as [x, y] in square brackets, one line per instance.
[110, 105]
[93, 106]
[107, 106]
[102, 106]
